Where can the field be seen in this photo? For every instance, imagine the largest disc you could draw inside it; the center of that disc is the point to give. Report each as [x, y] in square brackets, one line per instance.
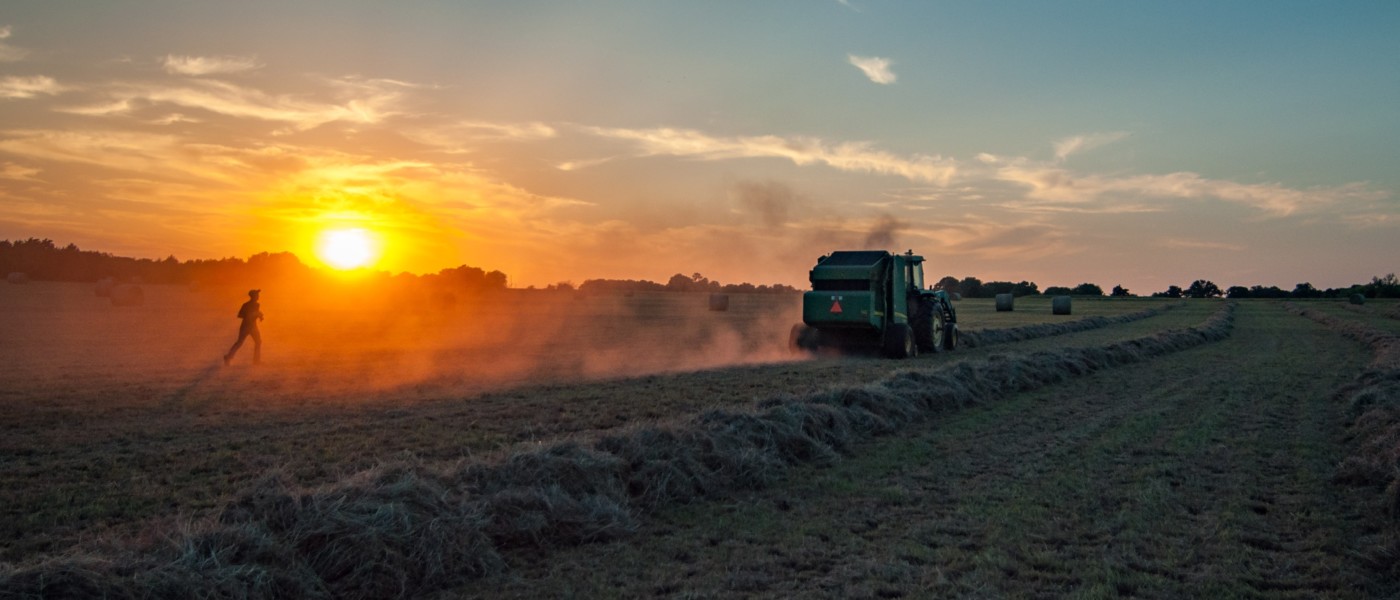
[1139, 447]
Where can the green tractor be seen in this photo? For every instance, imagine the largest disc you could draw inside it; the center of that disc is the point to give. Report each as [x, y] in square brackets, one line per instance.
[874, 299]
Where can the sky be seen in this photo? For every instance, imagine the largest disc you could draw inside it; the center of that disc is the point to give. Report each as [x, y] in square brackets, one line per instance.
[1142, 144]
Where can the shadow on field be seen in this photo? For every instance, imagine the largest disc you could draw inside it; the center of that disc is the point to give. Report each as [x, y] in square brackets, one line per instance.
[180, 395]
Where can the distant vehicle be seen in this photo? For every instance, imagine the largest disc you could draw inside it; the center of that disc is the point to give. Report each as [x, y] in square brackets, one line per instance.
[874, 299]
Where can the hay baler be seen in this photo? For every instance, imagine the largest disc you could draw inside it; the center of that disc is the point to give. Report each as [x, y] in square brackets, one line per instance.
[874, 299]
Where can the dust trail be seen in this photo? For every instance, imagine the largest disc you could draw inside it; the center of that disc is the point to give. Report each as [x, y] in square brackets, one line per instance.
[365, 343]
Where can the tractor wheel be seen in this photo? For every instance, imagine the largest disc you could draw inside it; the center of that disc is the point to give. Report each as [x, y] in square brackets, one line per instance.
[950, 336]
[928, 327]
[899, 341]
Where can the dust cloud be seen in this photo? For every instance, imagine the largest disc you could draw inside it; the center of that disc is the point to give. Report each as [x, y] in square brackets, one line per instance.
[770, 200]
[881, 236]
[361, 344]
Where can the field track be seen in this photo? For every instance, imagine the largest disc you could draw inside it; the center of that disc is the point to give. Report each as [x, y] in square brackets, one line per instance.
[1204, 473]
[1206, 467]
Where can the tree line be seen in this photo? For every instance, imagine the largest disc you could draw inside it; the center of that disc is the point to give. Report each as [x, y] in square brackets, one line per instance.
[42, 260]
[677, 283]
[1387, 286]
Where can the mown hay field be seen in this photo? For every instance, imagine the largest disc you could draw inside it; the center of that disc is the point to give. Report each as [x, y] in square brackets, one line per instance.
[1093, 461]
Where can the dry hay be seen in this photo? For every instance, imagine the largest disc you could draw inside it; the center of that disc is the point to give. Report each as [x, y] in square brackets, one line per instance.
[987, 337]
[1373, 400]
[719, 302]
[1357, 299]
[404, 529]
[1005, 302]
[17, 278]
[1060, 305]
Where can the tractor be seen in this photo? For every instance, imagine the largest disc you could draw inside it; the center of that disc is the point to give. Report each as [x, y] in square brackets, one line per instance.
[873, 299]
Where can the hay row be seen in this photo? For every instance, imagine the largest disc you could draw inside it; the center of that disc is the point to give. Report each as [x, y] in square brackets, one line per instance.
[407, 528]
[1373, 403]
[987, 337]
[1393, 313]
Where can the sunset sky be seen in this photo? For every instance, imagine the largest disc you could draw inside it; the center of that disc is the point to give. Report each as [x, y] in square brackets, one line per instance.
[1136, 143]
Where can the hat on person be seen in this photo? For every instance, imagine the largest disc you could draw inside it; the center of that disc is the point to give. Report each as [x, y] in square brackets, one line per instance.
[254, 292]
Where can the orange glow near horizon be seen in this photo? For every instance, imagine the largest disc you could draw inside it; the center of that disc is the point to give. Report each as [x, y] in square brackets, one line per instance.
[348, 248]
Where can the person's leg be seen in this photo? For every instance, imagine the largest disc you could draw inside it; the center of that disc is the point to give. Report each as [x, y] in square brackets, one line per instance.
[242, 335]
[257, 346]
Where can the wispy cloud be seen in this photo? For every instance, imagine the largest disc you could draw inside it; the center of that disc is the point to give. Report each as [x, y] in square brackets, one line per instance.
[198, 66]
[10, 53]
[846, 156]
[464, 136]
[1188, 244]
[1082, 143]
[242, 102]
[28, 87]
[1054, 184]
[18, 172]
[874, 67]
[847, 4]
[102, 109]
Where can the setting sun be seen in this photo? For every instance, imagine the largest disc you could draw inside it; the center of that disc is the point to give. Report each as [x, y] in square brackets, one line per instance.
[347, 248]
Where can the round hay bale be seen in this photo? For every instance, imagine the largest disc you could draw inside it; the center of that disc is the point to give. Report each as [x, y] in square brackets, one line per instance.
[104, 287]
[1005, 302]
[719, 302]
[1355, 299]
[1060, 305]
[128, 295]
[17, 278]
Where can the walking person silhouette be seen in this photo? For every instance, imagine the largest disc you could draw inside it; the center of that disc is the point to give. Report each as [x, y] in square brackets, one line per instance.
[250, 313]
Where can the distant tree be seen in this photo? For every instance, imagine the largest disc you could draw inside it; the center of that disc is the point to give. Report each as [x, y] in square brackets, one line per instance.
[1056, 290]
[1237, 291]
[971, 287]
[1021, 288]
[1087, 289]
[1305, 290]
[948, 284]
[1171, 292]
[1385, 287]
[617, 286]
[1202, 288]
[679, 283]
[1120, 292]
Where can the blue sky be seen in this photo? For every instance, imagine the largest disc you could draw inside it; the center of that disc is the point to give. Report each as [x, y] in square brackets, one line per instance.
[1133, 143]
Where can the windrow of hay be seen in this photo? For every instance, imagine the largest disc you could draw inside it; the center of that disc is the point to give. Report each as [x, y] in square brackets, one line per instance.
[1373, 402]
[406, 528]
[1393, 313]
[987, 337]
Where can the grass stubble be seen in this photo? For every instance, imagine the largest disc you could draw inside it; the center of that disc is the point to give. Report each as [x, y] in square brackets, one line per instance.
[405, 529]
[1208, 472]
[95, 462]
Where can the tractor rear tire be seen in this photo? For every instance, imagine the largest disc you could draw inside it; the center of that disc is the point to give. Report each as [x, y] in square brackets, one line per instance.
[899, 341]
[928, 327]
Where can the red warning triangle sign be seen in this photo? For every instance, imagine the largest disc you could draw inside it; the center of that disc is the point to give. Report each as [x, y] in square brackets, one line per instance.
[836, 307]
